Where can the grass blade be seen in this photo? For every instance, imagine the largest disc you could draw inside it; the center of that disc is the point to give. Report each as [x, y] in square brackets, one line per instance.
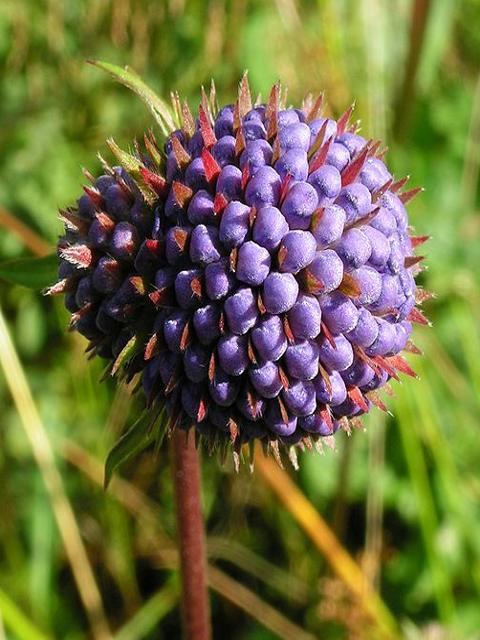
[325, 540]
[17, 621]
[43, 454]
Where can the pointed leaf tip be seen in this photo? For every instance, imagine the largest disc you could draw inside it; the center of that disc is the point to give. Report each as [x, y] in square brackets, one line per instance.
[130, 79]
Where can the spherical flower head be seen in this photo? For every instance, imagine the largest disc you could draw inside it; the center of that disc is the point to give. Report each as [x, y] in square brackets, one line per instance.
[258, 277]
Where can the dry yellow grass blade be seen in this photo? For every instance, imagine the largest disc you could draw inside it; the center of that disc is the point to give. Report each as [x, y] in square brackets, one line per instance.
[43, 454]
[141, 506]
[27, 236]
[328, 544]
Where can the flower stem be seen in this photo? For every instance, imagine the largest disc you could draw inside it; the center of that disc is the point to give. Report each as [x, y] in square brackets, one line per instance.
[191, 537]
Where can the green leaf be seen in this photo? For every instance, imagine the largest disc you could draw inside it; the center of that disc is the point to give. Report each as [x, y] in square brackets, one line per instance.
[133, 81]
[135, 440]
[34, 273]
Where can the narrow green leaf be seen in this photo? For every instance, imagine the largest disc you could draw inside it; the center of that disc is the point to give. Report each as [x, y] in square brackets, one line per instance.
[133, 81]
[34, 273]
[135, 440]
[15, 620]
[149, 616]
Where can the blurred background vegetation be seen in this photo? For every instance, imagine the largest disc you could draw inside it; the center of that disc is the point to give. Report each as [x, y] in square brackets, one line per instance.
[403, 497]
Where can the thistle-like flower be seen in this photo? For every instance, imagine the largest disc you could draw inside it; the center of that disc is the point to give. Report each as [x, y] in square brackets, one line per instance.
[256, 273]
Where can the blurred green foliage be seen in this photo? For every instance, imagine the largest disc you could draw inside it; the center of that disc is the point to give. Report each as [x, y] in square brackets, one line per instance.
[404, 496]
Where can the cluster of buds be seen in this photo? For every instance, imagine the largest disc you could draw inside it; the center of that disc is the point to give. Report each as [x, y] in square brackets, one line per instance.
[257, 273]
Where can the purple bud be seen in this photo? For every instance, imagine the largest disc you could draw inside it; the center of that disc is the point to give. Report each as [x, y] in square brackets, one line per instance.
[297, 250]
[336, 358]
[229, 182]
[200, 209]
[224, 121]
[204, 245]
[253, 264]
[241, 311]
[250, 405]
[223, 389]
[266, 379]
[173, 328]
[402, 331]
[234, 224]
[286, 117]
[293, 162]
[269, 228]
[385, 222]
[388, 296]
[374, 174]
[125, 241]
[305, 317]
[107, 275]
[176, 244]
[299, 205]
[338, 312]
[98, 235]
[117, 201]
[392, 203]
[206, 323]
[187, 285]
[256, 154]
[224, 150]
[269, 338]
[328, 224]
[354, 248]
[338, 156]
[327, 183]
[300, 398]
[356, 200]
[219, 280]
[358, 374]
[327, 270]
[365, 331]
[85, 293]
[195, 362]
[264, 188]
[301, 360]
[294, 136]
[352, 141]
[195, 175]
[280, 291]
[191, 396]
[314, 423]
[385, 340]
[332, 394]
[379, 379]
[370, 283]
[397, 257]
[253, 129]
[196, 144]
[275, 421]
[316, 125]
[380, 246]
[233, 354]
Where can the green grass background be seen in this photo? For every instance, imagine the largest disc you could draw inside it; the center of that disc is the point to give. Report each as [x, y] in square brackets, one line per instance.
[404, 495]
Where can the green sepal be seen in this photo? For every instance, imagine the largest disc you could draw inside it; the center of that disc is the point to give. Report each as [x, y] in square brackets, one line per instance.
[133, 346]
[133, 81]
[33, 273]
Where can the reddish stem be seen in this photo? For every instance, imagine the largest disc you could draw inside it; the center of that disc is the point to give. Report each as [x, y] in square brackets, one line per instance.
[191, 537]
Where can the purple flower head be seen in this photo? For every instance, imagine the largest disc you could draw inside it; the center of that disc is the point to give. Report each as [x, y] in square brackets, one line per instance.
[258, 278]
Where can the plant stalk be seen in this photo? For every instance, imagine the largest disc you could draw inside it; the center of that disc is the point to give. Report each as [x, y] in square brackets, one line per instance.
[191, 537]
